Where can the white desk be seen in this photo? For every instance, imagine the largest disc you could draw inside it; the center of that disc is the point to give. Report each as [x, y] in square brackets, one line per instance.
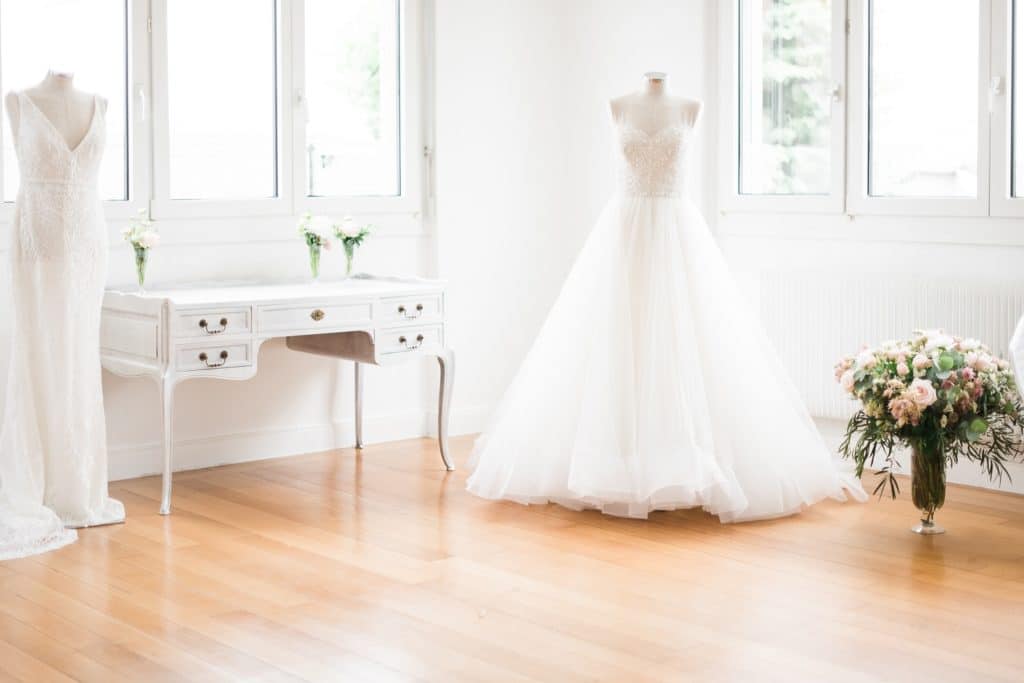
[173, 335]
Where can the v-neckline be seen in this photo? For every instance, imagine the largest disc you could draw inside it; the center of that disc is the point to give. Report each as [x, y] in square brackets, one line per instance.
[92, 122]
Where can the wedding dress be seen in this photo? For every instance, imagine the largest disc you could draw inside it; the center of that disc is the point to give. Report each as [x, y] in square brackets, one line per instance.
[53, 461]
[650, 385]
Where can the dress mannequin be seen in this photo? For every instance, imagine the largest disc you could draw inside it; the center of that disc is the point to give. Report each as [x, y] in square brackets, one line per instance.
[69, 109]
[652, 109]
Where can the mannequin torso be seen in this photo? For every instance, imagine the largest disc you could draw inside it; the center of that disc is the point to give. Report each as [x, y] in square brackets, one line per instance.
[67, 108]
[652, 109]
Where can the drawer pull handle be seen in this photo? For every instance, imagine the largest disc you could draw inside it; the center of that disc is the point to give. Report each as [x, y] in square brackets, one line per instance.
[405, 342]
[206, 359]
[208, 330]
[317, 315]
[402, 311]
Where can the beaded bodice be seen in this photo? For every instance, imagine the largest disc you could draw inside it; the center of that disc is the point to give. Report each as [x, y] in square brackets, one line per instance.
[651, 164]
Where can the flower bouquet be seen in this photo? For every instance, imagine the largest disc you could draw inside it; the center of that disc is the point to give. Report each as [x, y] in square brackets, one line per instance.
[351, 235]
[143, 237]
[945, 398]
[316, 231]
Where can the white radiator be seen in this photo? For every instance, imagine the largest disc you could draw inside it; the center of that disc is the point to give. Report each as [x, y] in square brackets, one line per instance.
[814, 318]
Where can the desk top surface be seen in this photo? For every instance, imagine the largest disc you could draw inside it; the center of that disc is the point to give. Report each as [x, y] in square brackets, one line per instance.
[255, 292]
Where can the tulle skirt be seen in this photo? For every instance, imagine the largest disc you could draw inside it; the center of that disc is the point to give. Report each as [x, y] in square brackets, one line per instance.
[652, 387]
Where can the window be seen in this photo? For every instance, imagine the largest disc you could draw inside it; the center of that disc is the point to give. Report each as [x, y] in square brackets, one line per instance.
[872, 106]
[923, 98]
[222, 99]
[237, 108]
[352, 97]
[785, 101]
[97, 57]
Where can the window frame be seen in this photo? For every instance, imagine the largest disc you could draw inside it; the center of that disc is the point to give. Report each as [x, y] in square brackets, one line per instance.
[730, 198]
[409, 201]
[859, 201]
[1000, 96]
[163, 206]
[137, 130]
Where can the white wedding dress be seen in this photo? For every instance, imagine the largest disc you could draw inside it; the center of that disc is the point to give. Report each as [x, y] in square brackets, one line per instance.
[53, 460]
[651, 385]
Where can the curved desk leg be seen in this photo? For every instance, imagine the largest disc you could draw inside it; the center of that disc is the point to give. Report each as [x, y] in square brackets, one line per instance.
[446, 359]
[358, 382]
[167, 417]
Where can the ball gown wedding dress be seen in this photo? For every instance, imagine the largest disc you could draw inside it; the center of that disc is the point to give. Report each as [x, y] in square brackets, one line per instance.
[53, 460]
[650, 385]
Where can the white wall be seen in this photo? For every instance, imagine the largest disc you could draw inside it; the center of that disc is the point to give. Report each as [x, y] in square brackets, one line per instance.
[524, 156]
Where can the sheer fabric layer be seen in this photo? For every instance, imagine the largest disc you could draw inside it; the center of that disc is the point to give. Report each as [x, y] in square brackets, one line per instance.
[651, 387]
[53, 459]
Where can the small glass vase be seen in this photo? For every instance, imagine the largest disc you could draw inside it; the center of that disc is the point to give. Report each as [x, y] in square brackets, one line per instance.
[928, 486]
[350, 255]
[141, 258]
[314, 260]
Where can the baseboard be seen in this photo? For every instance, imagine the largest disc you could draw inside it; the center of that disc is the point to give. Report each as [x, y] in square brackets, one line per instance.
[471, 420]
[143, 459]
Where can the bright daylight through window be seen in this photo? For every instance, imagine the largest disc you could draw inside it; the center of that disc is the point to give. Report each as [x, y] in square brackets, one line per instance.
[221, 93]
[923, 98]
[784, 95]
[352, 86]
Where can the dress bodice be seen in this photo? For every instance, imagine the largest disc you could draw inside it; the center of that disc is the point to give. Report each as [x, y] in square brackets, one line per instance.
[651, 164]
[44, 156]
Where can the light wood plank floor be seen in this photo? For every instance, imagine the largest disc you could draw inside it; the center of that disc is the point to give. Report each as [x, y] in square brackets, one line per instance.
[380, 567]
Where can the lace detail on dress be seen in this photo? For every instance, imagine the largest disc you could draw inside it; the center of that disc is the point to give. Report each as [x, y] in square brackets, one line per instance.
[53, 458]
[651, 164]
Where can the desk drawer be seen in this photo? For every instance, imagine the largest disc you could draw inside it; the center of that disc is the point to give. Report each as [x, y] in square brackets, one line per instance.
[408, 339]
[212, 322]
[408, 308]
[304, 317]
[213, 356]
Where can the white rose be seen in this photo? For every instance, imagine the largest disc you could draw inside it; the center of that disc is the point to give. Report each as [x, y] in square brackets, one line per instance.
[319, 225]
[970, 344]
[937, 339]
[148, 240]
[866, 359]
[349, 227]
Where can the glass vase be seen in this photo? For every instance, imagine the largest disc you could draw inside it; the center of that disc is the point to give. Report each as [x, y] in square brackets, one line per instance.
[928, 485]
[141, 258]
[350, 255]
[314, 260]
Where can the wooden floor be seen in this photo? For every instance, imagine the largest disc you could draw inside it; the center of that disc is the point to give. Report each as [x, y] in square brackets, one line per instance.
[380, 567]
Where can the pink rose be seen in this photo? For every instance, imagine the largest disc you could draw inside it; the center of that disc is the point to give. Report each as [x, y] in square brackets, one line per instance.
[922, 393]
[846, 381]
[921, 362]
[902, 369]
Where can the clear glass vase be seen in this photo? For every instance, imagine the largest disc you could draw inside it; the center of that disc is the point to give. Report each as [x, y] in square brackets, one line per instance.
[350, 255]
[928, 485]
[314, 260]
[141, 259]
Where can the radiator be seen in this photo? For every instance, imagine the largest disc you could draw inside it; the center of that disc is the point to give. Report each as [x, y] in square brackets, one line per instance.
[815, 318]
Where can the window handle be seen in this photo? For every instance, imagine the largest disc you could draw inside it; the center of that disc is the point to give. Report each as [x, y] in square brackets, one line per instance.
[995, 89]
[836, 92]
[140, 92]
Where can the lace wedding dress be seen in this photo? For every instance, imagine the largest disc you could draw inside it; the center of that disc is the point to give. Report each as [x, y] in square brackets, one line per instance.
[53, 460]
[650, 385]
